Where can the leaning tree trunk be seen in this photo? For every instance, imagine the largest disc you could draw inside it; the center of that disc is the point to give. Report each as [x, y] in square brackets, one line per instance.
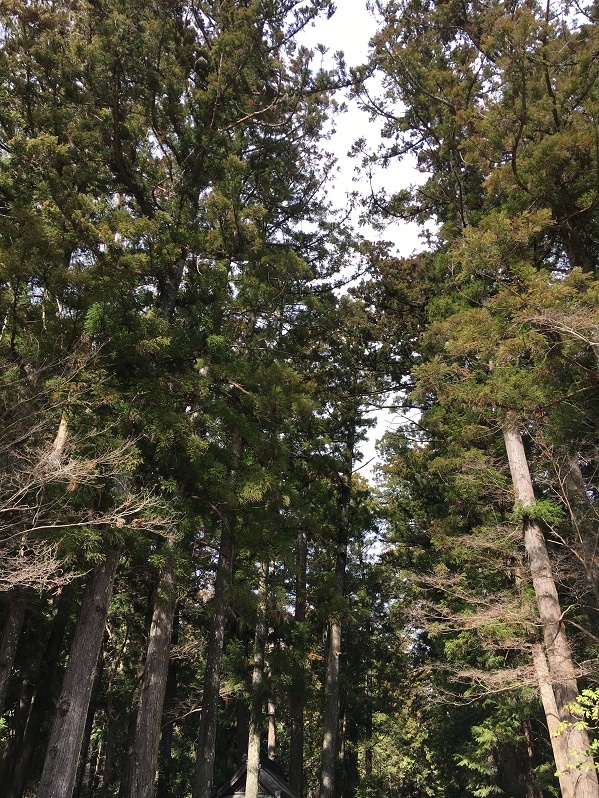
[10, 640]
[146, 743]
[558, 741]
[561, 666]
[296, 744]
[66, 737]
[253, 757]
[330, 738]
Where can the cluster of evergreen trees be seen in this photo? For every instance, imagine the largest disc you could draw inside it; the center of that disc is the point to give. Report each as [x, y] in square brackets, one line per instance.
[185, 538]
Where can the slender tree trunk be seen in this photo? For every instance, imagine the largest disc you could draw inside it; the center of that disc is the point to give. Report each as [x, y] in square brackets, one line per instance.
[561, 666]
[42, 700]
[165, 770]
[16, 731]
[149, 714]
[368, 749]
[330, 739]
[253, 758]
[60, 766]
[210, 694]
[296, 752]
[272, 730]
[224, 573]
[10, 640]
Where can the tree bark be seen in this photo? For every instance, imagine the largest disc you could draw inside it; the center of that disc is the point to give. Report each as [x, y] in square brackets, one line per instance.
[272, 729]
[210, 694]
[165, 769]
[561, 666]
[330, 739]
[42, 700]
[10, 640]
[253, 757]
[60, 766]
[224, 574]
[296, 745]
[558, 741]
[153, 688]
[84, 757]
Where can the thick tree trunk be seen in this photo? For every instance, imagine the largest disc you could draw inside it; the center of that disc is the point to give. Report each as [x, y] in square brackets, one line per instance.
[330, 738]
[558, 741]
[210, 694]
[84, 757]
[296, 745]
[253, 757]
[10, 640]
[42, 700]
[60, 766]
[561, 666]
[165, 770]
[146, 744]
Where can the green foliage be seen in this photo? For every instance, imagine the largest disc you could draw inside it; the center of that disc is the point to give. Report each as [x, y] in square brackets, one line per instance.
[546, 511]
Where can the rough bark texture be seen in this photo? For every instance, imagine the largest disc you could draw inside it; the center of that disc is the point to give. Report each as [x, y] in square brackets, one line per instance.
[253, 757]
[165, 770]
[149, 714]
[42, 700]
[62, 756]
[330, 737]
[224, 573]
[558, 741]
[211, 691]
[296, 745]
[10, 640]
[561, 667]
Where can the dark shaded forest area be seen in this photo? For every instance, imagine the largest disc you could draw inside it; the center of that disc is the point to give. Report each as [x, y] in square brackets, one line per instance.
[194, 573]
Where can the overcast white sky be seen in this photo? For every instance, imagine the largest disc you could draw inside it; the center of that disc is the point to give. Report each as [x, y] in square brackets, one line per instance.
[349, 30]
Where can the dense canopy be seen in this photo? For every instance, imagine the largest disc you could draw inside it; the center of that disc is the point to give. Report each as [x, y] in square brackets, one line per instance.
[195, 576]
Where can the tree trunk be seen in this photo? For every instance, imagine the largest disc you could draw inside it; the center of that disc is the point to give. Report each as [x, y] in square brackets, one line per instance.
[84, 757]
[165, 770]
[368, 749]
[272, 730]
[204, 769]
[558, 741]
[296, 745]
[60, 766]
[210, 694]
[330, 739]
[42, 700]
[561, 667]
[253, 758]
[10, 640]
[149, 714]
